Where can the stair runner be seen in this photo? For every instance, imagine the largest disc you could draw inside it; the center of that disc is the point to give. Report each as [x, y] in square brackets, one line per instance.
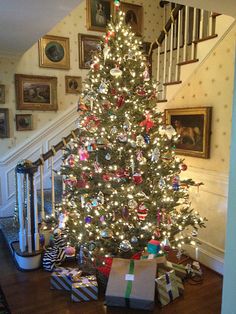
[10, 232]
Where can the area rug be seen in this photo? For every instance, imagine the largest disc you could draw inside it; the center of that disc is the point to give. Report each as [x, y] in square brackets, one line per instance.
[4, 309]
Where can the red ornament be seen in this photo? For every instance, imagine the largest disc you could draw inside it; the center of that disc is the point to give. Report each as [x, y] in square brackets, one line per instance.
[81, 107]
[148, 123]
[113, 91]
[141, 91]
[91, 122]
[183, 167]
[95, 66]
[137, 178]
[106, 177]
[122, 173]
[142, 212]
[120, 101]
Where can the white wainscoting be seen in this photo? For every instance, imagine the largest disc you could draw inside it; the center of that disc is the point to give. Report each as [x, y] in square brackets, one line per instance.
[31, 149]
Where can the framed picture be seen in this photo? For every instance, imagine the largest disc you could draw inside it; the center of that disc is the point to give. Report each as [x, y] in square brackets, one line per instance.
[2, 94]
[36, 92]
[24, 122]
[89, 45]
[193, 125]
[98, 14]
[133, 16]
[4, 123]
[73, 84]
[54, 52]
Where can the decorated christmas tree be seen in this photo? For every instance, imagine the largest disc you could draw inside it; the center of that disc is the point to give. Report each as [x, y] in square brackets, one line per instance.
[121, 175]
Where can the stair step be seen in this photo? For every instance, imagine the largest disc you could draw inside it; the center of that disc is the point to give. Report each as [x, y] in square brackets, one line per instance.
[172, 83]
[187, 62]
[162, 100]
[204, 39]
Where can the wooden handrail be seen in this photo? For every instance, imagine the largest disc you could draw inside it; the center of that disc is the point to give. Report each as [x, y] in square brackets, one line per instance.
[56, 148]
[174, 15]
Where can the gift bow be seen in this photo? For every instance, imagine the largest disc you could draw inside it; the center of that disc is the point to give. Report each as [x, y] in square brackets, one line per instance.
[148, 123]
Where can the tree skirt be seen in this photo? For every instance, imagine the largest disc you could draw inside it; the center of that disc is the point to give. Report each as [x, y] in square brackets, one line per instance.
[4, 309]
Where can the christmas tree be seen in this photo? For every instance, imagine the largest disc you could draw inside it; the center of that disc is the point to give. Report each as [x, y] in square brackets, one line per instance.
[122, 184]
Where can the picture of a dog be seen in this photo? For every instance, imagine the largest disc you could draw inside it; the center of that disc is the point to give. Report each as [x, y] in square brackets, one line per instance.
[187, 134]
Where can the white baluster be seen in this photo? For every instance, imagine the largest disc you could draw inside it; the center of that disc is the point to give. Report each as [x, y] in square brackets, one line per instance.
[186, 33]
[42, 191]
[29, 236]
[178, 45]
[201, 34]
[53, 185]
[171, 49]
[211, 22]
[158, 62]
[194, 33]
[20, 201]
[36, 228]
[165, 57]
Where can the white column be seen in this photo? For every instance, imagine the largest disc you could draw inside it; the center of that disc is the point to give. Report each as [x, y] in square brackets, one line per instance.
[20, 201]
[171, 50]
[201, 34]
[36, 228]
[165, 57]
[29, 236]
[178, 45]
[186, 30]
[42, 191]
[53, 186]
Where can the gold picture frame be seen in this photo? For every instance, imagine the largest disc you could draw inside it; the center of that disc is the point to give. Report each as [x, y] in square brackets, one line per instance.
[4, 123]
[24, 122]
[73, 84]
[133, 16]
[35, 92]
[2, 94]
[88, 46]
[54, 52]
[193, 125]
[99, 14]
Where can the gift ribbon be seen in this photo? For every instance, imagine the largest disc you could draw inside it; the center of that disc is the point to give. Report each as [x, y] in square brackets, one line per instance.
[129, 283]
[168, 287]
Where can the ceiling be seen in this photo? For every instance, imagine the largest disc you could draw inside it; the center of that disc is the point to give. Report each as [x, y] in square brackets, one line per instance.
[23, 22]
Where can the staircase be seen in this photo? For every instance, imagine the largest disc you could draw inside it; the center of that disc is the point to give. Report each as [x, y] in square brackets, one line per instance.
[187, 39]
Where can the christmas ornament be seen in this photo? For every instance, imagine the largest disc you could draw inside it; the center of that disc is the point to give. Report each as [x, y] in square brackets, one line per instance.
[108, 156]
[106, 51]
[71, 161]
[125, 213]
[146, 138]
[143, 161]
[103, 88]
[134, 240]
[91, 123]
[70, 251]
[137, 178]
[91, 246]
[155, 155]
[116, 72]
[120, 101]
[81, 107]
[102, 218]
[161, 183]
[142, 212]
[83, 154]
[167, 130]
[106, 233]
[106, 177]
[94, 202]
[101, 142]
[146, 75]
[101, 197]
[183, 167]
[97, 167]
[126, 125]
[141, 91]
[95, 65]
[122, 173]
[148, 123]
[133, 144]
[175, 183]
[109, 35]
[122, 137]
[117, 4]
[140, 141]
[106, 105]
[166, 244]
[139, 155]
[194, 233]
[114, 130]
[125, 246]
[132, 204]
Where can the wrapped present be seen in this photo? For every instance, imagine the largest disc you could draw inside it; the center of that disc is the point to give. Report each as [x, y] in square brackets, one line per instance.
[177, 279]
[126, 287]
[167, 287]
[85, 289]
[160, 259]
[63, 277]
[153, 246]
[179, 269]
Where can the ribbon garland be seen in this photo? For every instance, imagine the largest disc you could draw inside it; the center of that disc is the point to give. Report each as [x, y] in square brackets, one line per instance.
[129, 283]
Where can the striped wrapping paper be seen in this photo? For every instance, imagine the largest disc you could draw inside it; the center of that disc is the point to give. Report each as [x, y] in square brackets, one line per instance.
[178, 280]
[167, 288]
[61, 278]
[85, 289]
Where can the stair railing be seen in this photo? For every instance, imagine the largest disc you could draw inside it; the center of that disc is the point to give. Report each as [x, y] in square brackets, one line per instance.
[27, 195]
[177, 42]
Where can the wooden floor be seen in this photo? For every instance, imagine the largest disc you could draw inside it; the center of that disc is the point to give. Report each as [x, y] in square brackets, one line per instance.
[29, 293]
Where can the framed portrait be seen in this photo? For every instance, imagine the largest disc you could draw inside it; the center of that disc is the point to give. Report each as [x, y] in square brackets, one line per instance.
[24, 122]
[4, 123]
[89, 45]
[2, 94]
[193, 125]
[133, 16]
[98, 14]
[54, 52]
[36, 92]
[73, 84]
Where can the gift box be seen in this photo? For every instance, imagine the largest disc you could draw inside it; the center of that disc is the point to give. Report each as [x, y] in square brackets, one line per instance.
[85, 289]
[167, 287]
[153, 246]
[126, 286]
[177, 279]
[62, 278]
[179, 269]
[160, 259]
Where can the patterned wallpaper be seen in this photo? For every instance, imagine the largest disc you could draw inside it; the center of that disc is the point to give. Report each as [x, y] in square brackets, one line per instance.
[70, 26]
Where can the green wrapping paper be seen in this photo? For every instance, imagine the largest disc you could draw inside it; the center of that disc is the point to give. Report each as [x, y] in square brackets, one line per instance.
[132, 284]
[167, 288]
[177, 279]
